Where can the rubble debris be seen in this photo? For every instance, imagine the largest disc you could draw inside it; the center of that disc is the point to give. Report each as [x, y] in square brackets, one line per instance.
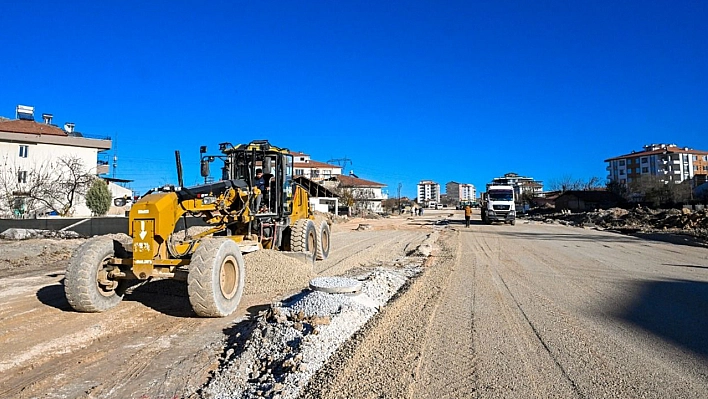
[640, 219]
[25, 234]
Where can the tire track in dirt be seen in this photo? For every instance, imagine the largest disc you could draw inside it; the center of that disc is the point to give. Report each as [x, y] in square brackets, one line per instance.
[374, 246]
[446, 365]
[514, 359]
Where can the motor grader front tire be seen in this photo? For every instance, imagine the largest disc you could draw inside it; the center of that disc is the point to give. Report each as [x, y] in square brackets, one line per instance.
[323, 242]
[216, 277]
[303, 237]
[87, 285]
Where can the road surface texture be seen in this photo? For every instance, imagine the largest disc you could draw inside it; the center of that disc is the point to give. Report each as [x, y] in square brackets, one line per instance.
[536, 311]
[532, 310]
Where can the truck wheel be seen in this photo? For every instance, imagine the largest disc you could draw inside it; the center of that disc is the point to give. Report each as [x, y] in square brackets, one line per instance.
[86, 284]
[216, 277]
[303, 237]
[323, 242]
[513, 222]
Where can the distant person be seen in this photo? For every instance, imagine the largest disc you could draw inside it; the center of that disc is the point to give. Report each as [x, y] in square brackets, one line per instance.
[468, 215]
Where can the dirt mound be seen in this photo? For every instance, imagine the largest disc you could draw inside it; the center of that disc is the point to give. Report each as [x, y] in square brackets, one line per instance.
[641, 219]
[274, 272]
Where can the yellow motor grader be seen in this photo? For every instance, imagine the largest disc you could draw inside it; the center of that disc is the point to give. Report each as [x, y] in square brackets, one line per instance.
[242, 212]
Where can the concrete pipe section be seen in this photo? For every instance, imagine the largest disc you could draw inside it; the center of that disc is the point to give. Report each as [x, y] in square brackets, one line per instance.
[335, 285]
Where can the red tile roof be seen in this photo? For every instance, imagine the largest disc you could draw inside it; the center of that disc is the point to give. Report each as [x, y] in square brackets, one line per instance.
[30, 127]
[349, 181]
[314, 164]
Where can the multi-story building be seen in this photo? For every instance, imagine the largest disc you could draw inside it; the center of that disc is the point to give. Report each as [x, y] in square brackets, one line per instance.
[667, 161]
[366, 195]
[521, 184]
[30, 151]
[313, 170]
[460, 191]
[428, 193]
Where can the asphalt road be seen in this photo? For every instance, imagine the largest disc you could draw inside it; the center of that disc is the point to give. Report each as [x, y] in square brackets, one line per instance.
[537, 311]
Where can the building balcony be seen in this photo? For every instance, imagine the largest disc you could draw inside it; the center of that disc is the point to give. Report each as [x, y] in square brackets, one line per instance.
[101, 168]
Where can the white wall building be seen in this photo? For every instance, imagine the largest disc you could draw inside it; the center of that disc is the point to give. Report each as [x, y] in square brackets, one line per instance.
[460, 191]
[316, 171]
[428, 193]
[368, 195]
[28, 148]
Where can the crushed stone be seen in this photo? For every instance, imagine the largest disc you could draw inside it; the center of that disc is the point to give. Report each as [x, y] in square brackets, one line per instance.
[294, 338]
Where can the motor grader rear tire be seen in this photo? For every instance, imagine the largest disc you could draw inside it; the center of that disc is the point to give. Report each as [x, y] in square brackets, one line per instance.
[86, 285]
[216, 277]
[303, 237]
[323, 242]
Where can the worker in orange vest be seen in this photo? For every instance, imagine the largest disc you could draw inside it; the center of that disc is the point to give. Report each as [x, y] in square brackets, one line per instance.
[468, 215]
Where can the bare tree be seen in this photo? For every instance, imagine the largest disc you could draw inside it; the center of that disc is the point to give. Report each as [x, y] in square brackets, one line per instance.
[55, 185]
[654, 190]
[568, 183]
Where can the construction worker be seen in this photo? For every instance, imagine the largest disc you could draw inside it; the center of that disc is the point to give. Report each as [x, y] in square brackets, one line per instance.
[468, 215]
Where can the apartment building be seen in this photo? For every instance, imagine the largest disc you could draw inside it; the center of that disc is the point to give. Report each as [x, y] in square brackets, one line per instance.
[29, 149]
[428, 193]
[521, 184]
[669, 162]
[460, 191]
[316, 171]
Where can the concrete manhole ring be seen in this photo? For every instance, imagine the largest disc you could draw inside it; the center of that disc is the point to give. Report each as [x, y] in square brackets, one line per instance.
[335, 285]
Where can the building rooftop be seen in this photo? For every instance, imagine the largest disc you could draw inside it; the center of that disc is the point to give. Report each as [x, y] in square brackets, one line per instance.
[654, 149]
[30, 127]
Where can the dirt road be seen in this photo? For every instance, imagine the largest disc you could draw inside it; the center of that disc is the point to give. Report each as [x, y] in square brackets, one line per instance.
[151, 345]
[531, 310]
[540, 311]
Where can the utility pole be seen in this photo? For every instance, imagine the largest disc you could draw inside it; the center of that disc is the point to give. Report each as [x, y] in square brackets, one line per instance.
[399, 197]
[341, 162]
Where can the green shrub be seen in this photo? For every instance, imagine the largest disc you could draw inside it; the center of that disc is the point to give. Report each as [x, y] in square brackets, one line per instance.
[98, 198]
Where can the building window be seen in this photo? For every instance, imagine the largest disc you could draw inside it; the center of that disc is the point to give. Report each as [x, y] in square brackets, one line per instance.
[705, 157]
[621, 162]
[24, 150]
[645, 170]
[326, 173]
[315, 173]
[621, 171]
[22, 176]
[695, 157]
[623, 181]
[299, 172]
[644, 160]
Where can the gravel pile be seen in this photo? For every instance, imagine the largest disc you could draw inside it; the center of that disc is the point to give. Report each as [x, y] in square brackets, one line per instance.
[293, 339]
[272, 272]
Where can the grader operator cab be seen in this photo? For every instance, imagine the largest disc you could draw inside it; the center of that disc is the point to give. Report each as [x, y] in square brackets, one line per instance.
[243, 212]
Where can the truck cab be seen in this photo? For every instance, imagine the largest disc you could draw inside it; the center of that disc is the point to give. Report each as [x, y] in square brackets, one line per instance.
[499, 205]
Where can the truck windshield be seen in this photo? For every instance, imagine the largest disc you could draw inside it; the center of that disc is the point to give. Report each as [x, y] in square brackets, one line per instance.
[501, 195]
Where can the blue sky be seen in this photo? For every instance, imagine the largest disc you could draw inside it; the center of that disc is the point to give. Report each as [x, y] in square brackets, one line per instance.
[408, 90]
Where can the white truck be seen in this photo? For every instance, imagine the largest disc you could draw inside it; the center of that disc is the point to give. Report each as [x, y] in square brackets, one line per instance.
[498, 204]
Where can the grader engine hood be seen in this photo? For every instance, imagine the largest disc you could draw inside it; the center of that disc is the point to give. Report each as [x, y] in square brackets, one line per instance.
[152, 220]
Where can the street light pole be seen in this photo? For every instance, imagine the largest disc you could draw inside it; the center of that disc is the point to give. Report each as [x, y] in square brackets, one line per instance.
[399, 197]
